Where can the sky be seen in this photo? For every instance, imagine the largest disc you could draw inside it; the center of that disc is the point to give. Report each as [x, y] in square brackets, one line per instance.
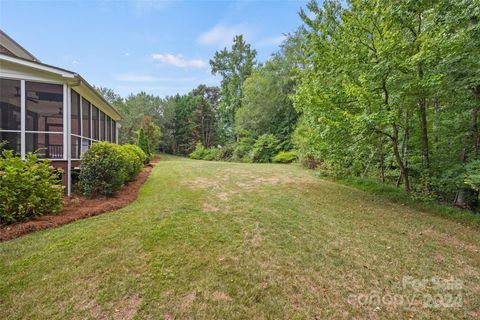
[160, 47]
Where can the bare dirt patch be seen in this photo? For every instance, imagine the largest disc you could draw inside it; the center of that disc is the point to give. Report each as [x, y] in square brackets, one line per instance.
[220, 296]
[78, 207]
[187, 301]
[450, 240]
[127, 308]
[207, 207]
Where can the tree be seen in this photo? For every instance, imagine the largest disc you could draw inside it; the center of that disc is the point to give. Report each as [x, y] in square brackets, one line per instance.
[234, 66]
[143, 142]
[266, 106]
[152, 132]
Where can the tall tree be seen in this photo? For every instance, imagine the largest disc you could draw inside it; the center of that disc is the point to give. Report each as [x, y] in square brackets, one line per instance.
[234, 66]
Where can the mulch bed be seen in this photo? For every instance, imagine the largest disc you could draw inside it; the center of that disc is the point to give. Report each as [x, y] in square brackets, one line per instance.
[78, 207]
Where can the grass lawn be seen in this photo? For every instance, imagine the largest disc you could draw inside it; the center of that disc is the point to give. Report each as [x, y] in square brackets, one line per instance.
[211, 240]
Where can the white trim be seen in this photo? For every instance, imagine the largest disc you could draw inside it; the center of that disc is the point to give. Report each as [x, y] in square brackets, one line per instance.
[81, 114]
[23, 120]
[8, 130]
[15, 76]
[91, 119]
[44, 132]
[35, 65]
[65, 117]
[68, 146]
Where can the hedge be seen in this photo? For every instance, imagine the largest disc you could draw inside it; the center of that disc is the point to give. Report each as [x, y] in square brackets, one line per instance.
[106, 167]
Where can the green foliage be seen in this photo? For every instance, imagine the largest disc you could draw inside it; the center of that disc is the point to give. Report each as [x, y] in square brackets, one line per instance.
[202, 153]
[265, 148]
[390, 89]
[199, 152]
[266, 106]
[143, 143]
[472, 176]
[106, 167]
[234, 66]
[135, 159]
[226, 152]
[242, 149]
[152, 133]
[285, 157]
[28, 189]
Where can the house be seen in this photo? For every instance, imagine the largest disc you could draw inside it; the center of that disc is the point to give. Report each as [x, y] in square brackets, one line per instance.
[49, 110]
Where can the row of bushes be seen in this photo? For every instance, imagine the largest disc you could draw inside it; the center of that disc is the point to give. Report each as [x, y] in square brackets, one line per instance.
[32, 187]
[28, 189]
[262, 150]
[106, 167]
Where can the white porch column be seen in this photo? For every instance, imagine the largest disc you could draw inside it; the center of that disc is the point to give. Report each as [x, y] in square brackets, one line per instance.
[68, 145]
[23, 120]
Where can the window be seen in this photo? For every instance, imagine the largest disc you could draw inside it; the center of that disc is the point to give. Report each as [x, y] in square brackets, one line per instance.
[75, 113]
[86, 118]
[95, 122]
[44, 119]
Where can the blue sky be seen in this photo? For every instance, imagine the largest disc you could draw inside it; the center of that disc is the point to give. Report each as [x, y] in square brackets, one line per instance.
[161, 47]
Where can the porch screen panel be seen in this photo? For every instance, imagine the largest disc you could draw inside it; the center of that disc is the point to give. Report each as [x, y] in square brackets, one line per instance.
[102, 126]
[10, 141]
[75, 113]
[9, 104]
[86, 118]
[10, 115]
[114, 131]
[45, 145]
[44, 119]
[44, 103]
[109, 129]
[95, 126]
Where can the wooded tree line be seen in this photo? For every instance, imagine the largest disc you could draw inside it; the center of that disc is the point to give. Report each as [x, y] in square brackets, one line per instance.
[381, 89]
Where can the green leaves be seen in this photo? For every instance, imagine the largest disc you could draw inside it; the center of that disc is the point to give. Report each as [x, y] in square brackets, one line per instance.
[28, 189]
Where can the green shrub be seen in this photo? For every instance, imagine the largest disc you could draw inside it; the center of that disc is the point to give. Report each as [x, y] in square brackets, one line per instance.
[104, 169]
[134, 159]
[211, 154]
[226, 152]
[199, 152]
[285, 157]
[28, 189]
[242, 149]
[265, 148]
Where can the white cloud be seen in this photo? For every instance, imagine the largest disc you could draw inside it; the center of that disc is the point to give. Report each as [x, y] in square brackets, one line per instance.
[179, 60]
[221, 35]
[75, 62]
[127, 54]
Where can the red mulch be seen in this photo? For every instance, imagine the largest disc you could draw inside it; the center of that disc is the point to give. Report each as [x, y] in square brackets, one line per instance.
[78, 207]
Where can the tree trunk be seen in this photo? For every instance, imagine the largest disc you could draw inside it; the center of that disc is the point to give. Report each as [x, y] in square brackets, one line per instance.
[398, 157]
[382, 161]
[422, 105]
[406, 136]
